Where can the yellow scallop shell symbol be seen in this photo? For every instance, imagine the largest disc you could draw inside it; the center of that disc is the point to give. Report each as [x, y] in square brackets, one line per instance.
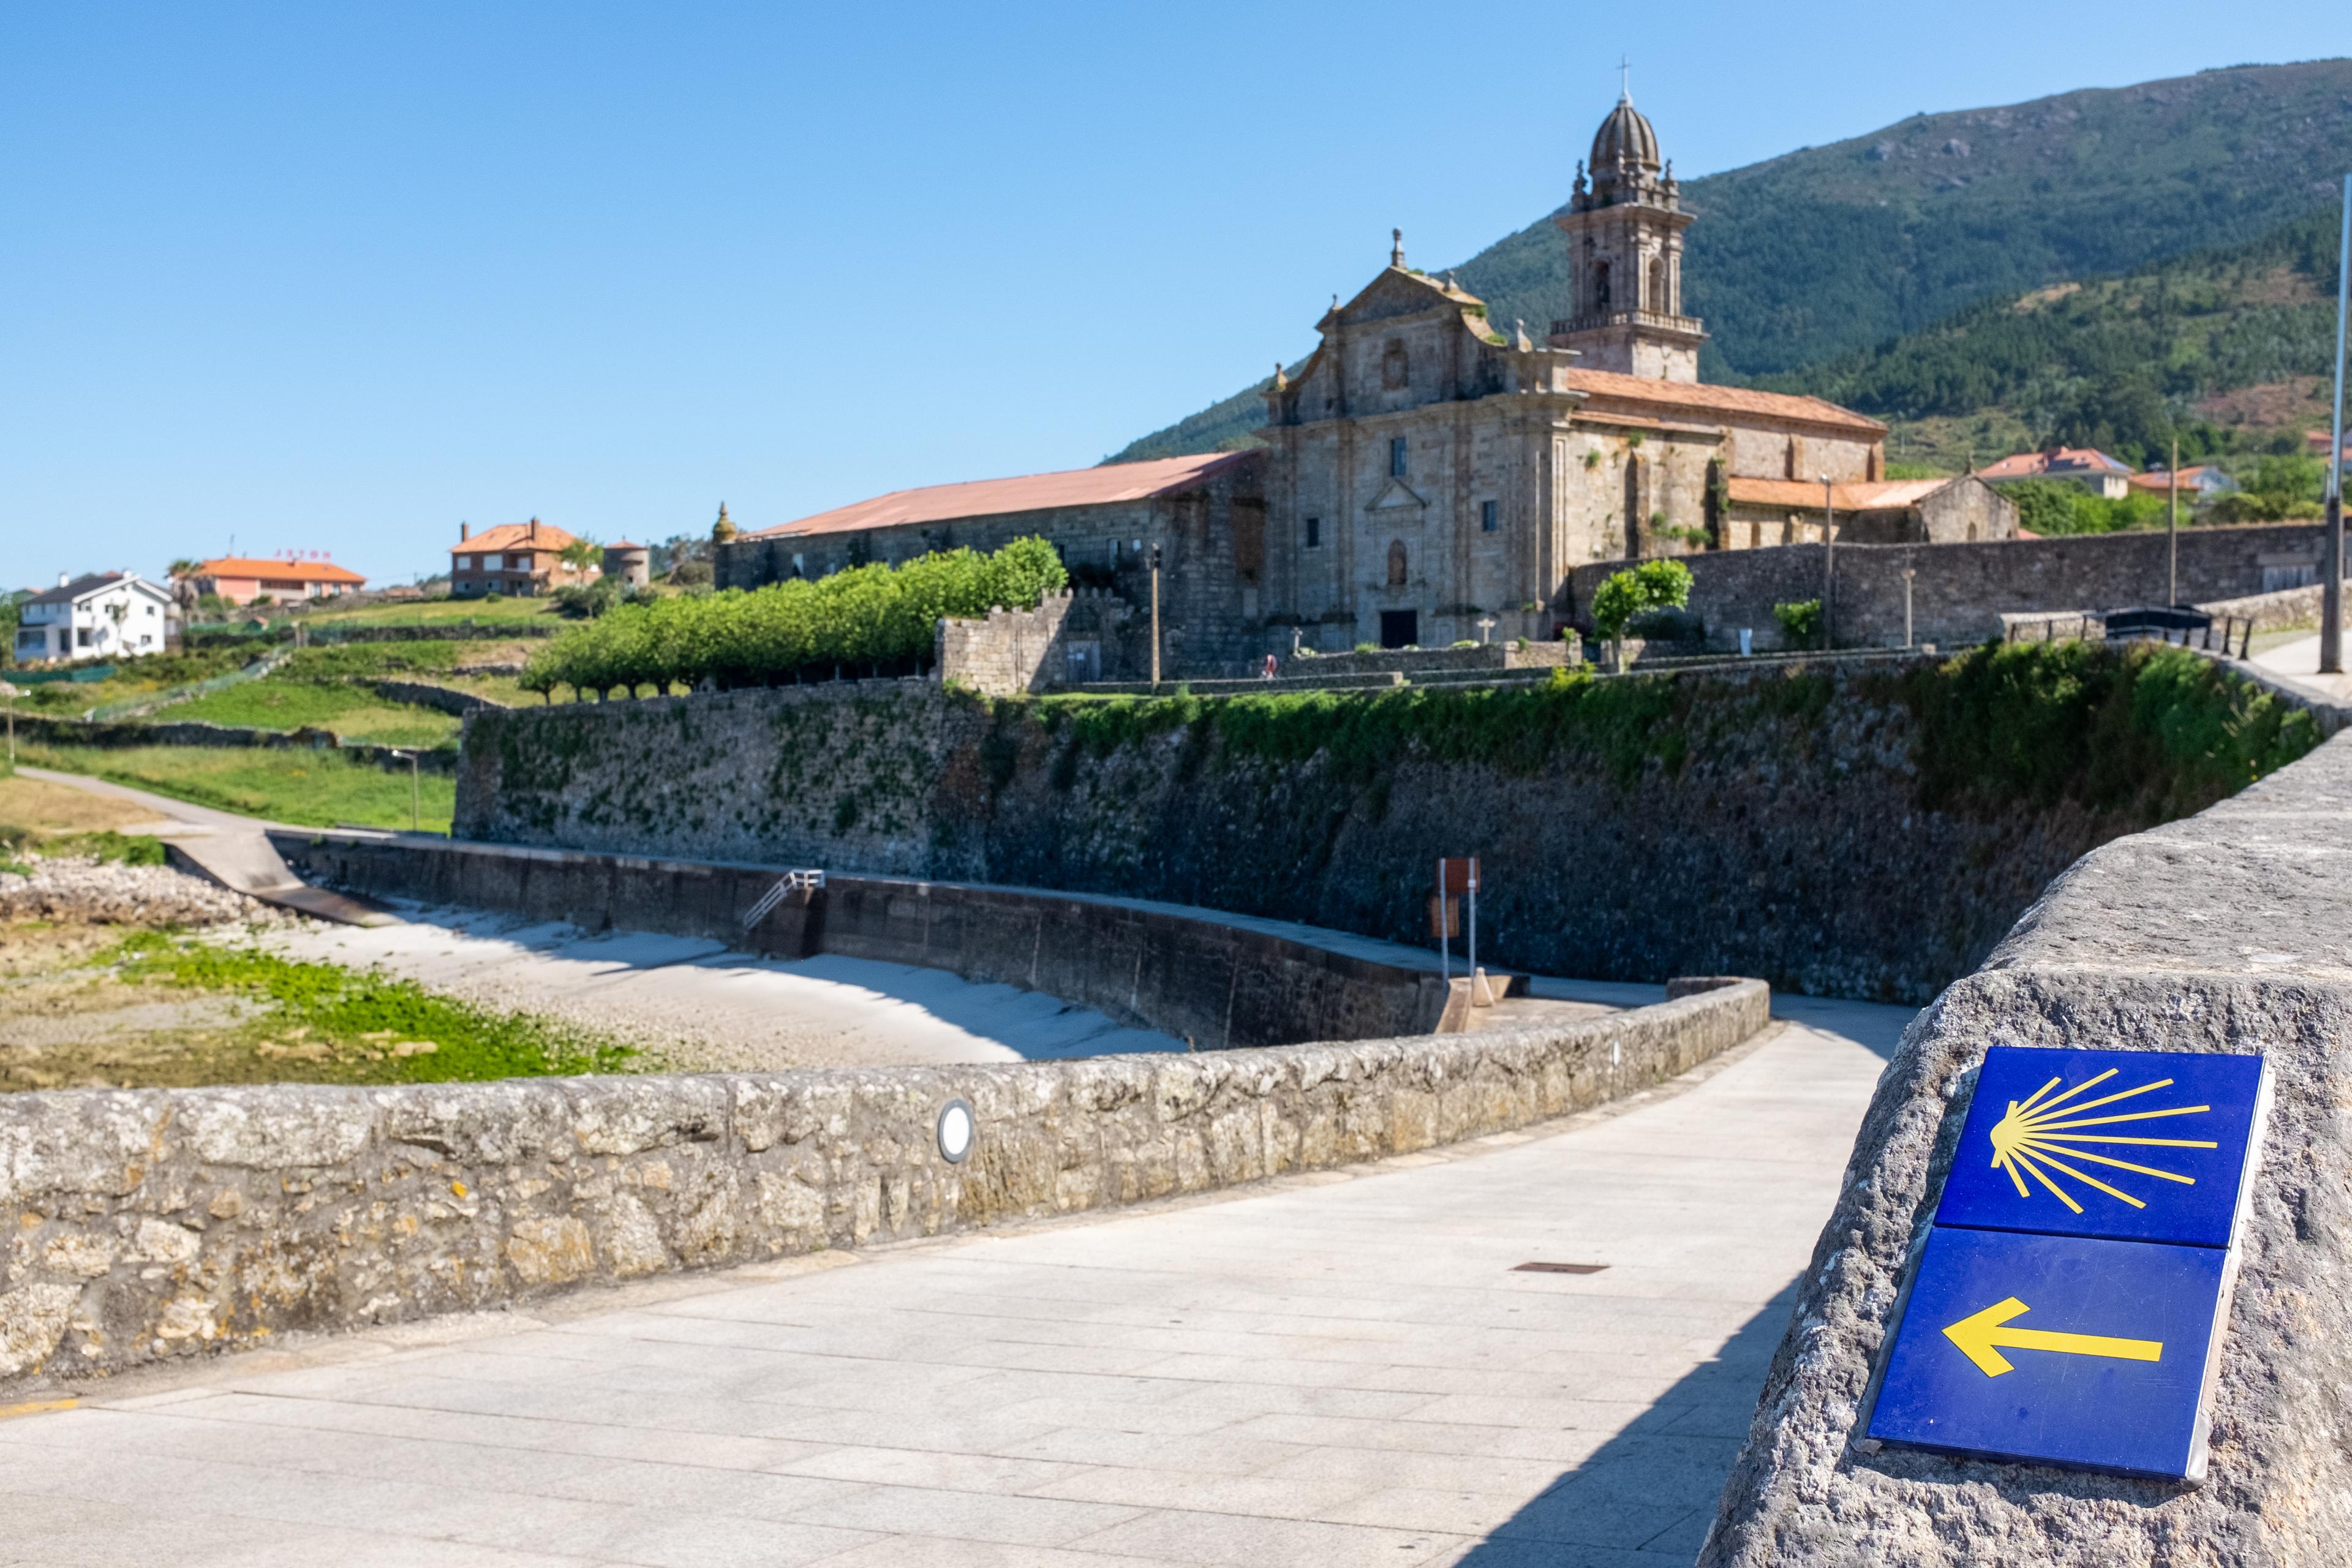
[2029, 1141]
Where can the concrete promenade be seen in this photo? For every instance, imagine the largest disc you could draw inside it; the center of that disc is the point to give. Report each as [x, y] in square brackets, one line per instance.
[1338, 1369]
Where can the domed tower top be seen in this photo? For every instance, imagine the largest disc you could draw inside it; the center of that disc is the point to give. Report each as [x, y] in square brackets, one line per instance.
[1626, 138]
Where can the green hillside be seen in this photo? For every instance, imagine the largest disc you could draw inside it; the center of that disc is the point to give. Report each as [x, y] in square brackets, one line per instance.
[2226, 348]
[1831, 251]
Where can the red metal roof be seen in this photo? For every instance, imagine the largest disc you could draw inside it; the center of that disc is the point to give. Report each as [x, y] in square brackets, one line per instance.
[995, 498]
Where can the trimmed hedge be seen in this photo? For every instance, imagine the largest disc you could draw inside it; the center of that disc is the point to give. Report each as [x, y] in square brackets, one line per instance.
[871, 619]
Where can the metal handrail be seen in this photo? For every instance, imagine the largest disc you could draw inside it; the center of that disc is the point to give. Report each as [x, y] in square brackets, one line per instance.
[793, 883]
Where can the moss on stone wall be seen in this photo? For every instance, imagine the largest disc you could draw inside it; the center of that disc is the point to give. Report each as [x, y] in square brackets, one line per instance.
[1859, 829]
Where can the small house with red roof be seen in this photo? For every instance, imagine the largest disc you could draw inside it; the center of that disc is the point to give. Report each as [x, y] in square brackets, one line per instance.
[2084, 466]
[2197, 485]
[281, 580]
[516, 559]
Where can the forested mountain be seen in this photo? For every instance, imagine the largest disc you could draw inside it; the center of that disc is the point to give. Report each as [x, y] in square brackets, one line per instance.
[2123, 363]
[1828, 251]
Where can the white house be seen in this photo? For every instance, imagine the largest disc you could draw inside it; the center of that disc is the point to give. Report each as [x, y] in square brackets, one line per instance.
[108, 615]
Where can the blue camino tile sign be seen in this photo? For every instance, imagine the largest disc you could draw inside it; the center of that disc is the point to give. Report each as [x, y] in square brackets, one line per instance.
[2054, 1349]
[2070, 1297]
[2125, 1145]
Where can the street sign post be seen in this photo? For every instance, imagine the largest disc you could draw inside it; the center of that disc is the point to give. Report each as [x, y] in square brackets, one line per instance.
[2067, 1301]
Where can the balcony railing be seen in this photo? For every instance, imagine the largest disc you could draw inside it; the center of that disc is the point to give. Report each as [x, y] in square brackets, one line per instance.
[1626, 319]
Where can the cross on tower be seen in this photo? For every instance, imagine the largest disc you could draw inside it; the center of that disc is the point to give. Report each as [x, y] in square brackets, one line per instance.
[1625, 78]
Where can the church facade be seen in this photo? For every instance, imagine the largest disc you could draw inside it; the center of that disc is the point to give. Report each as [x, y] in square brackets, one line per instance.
[1434, 475]
[1431, 475]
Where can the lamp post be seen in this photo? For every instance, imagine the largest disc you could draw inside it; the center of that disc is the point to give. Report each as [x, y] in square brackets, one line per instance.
[416, 792]
[2172, 530]
[1155, 614]
[1829, 564]
[2331, 554]
[1909, 573]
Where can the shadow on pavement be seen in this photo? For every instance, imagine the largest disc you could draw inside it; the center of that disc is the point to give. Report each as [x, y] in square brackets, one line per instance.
[1648, 1494]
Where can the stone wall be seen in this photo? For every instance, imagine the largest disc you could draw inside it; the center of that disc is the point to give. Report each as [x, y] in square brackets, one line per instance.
[197, 732]
[1209, 979]
[1769, 823]
[1006, 652]
[2225, 931]
[1960, 590]
[156, 1224]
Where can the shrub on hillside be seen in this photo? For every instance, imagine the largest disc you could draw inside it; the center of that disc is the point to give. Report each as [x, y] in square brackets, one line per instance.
[864, 618]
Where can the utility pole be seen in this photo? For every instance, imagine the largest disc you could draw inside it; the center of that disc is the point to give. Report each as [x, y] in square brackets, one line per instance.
[2331, 554]
[416, 792]
[1155, 614]
[1909, 573]
[8, 694]
[2172, 533]
[1829, 564]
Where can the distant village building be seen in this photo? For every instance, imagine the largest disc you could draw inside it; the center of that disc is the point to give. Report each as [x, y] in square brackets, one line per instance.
[241, 580]
[2197, 485]
[1431, 476]
[2084, 466]
[518, 559]
[106, 615]
[629, 566]
[1961, 510]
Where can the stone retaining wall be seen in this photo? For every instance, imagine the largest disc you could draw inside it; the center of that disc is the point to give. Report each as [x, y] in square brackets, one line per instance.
[1207, 979]
[154, 1224]
[1960, 590]
[2225, 932]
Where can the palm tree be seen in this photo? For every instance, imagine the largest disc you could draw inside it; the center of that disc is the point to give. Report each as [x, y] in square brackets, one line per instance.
[183, 573]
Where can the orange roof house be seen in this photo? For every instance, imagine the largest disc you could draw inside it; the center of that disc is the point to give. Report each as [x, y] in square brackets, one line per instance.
[2084, 466]
[514, 558]
[242, 579]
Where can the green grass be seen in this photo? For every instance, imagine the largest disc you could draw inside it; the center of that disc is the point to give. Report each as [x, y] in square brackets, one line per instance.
[313, 788]
[352, 711]
[485, 612]
[121, 848]
[364, 1017]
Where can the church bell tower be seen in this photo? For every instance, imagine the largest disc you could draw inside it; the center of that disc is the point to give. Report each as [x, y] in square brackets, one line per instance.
[1624, 228]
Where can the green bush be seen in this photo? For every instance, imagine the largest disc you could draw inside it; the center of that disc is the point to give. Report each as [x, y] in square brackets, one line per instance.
[863, 617]
[1652, 586]
[1801, 621]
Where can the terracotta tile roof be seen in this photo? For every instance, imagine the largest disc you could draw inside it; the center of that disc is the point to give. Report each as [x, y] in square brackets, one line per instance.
[2160, 480]
[513, 536]
[1853, 496]
[276, 571]
[992, 498]
[2056, 460]
[1699, 396]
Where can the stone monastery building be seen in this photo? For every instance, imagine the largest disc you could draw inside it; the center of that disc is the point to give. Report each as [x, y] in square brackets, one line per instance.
[1431, 476]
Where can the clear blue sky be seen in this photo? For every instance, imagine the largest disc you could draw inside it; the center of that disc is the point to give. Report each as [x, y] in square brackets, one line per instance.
[339, 275]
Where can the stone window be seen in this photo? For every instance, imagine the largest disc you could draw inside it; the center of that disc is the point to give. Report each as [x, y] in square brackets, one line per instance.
[1314, 532]
[1395, 369]
[1397, 467]
[1396, 564]
[1657, 300]
[1600, 286]
[1487, 521]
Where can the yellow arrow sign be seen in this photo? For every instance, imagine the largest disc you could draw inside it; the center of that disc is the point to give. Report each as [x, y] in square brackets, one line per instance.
[1978, 1334]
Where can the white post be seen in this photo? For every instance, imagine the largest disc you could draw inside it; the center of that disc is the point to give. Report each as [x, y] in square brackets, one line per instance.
[1474, 928]
[1829, 564]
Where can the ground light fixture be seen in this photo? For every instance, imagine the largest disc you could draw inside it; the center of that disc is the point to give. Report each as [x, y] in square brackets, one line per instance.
[957, 1131]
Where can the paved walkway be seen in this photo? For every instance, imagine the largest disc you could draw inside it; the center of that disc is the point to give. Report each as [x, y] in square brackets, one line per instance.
[1336, 1370]
[2300, 660]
